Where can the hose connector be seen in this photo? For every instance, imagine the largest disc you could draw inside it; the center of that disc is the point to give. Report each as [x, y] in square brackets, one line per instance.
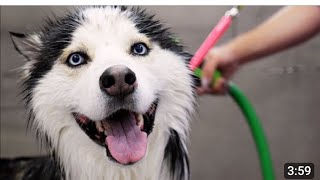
[233, 12]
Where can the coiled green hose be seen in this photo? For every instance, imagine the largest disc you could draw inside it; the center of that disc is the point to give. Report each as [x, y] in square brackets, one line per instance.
[254, 125]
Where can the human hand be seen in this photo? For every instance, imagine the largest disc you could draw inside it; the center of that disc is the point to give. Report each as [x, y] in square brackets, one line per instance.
[217, 59]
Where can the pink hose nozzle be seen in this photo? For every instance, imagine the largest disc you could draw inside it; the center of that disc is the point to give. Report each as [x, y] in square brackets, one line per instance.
[210, 41]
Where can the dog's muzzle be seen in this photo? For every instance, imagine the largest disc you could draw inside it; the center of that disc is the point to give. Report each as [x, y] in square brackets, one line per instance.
[124, 132]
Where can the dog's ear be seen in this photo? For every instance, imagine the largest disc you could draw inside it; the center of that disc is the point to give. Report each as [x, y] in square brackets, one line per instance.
[28, 46]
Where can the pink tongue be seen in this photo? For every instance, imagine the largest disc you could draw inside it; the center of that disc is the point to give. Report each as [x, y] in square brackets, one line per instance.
[126, 142]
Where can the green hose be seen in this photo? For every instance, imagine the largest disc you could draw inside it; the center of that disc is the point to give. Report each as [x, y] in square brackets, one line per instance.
[254, 125]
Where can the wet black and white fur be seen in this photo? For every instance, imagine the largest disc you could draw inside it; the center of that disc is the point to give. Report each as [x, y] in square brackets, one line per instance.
[54, 90]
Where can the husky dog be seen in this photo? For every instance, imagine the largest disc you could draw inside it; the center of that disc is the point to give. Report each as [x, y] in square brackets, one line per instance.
[109, 91]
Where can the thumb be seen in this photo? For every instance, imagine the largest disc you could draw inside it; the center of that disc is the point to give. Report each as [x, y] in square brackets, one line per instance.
[208, 70]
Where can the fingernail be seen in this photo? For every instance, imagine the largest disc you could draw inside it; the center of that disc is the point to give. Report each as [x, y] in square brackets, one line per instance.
[204, 82]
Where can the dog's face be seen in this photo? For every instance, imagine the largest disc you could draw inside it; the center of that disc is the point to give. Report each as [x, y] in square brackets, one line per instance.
[99, 77]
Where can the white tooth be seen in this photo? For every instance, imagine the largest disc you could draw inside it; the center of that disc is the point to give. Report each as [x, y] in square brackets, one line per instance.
[140, 120]
[105, 133]
[99, 126]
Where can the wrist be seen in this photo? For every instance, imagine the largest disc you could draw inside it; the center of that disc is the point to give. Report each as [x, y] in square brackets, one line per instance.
[241, 50]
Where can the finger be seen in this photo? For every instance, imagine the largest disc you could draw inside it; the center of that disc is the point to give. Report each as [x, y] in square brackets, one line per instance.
[219, 88]
[200, 91]
[219, 84]
[212, 91]
[208, 70]
[216, 92]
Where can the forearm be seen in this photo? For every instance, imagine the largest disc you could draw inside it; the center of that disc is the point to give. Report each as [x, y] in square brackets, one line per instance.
[287, 28]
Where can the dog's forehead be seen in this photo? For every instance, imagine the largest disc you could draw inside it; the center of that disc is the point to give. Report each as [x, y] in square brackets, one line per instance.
[106, 15]
[106, 25]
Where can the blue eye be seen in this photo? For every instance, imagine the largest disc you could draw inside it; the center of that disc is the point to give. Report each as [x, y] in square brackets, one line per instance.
[76, 59]
[140, 49]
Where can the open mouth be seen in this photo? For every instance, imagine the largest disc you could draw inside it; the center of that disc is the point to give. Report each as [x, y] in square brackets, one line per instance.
[123, 133]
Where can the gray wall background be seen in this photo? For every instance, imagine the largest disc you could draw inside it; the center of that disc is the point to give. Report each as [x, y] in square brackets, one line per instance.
[283, 88]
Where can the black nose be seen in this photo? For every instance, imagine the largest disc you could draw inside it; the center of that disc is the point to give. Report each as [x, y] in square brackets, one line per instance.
[118, 81]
